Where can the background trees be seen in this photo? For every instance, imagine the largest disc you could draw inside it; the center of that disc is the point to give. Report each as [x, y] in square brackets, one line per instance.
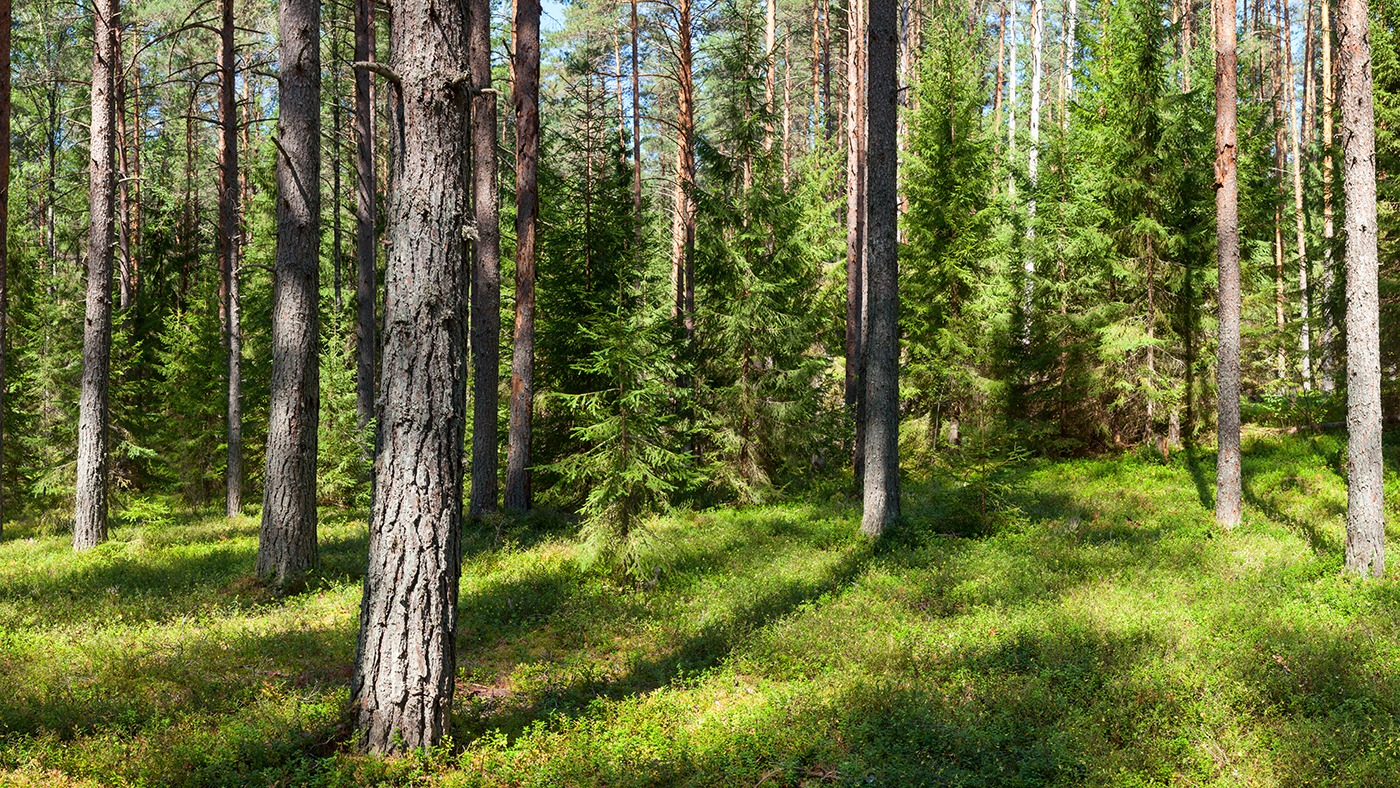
[694, 191]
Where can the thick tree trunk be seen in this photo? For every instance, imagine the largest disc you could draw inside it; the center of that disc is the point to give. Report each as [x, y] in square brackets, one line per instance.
[90, 495]
[228, 260]
[882, 349]
[855, 235]
[365, 208]
[486, 266]
[1000, 79]
[1365, 547]
[405, 660]
[1228, 494]
[287, 540]
[527, 155]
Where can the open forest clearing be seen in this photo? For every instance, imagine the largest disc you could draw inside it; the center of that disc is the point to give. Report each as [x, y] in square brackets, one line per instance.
[1053, 623]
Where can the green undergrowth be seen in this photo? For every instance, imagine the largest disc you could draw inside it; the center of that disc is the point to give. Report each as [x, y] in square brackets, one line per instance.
[1029, 623]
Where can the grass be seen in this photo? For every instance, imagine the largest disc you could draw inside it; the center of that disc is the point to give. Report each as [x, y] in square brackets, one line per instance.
[1072, 623]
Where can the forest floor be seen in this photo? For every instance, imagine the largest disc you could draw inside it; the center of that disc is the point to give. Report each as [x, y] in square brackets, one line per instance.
[1039, 623]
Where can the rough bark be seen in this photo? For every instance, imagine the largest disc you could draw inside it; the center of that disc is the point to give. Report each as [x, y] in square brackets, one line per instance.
[486, 265]
[405, 660]
[636, 134]
[1365, 547]
[365, 208]
[1032, 168]
[1228, 493]
[228, 260]
[527, 155]
[90, 494]
[287, 539]
[683, 216]
[882, 349]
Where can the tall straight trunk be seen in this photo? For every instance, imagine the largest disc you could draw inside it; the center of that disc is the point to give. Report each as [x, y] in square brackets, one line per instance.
[683, 219]
[881, 504]
[1300, 236]
[90, 494]
[486, 264]
[405, 663]
[1032, 167]
[1365, 547]
[1000, 78]
[228, 260]
[1071, 19]
[1275, 91]
[826, 71]
[770, 82]
[636, 136]
[1309, 77]
[1228, 494]
[814, 118]
[287, 538]
[787, 106]
[527, 156]
[1011, 87]
[1328, 360]
[5, 11]
[125, 261]
[366, 193]
[336, 131]
[855, 236]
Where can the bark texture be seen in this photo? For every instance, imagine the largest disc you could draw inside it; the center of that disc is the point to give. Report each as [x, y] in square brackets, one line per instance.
[486, 267]
[403, 682]
[287, 540]
[527, 159]
[90, 495]
[1365, 548]
[882, 336]
[1228, 494]
[855, 236]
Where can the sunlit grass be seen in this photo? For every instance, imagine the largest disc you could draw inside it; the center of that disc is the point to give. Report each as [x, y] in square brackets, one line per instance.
[1073, 623]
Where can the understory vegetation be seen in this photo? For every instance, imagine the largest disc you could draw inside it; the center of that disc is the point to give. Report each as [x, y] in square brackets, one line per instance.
[1033, 622]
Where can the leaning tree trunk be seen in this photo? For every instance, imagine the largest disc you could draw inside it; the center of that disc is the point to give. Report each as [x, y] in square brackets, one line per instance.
[1228, 494]
[287, 540]
[1365, 548]
[527, 157]
[90, 494]
[486, 266]
[882, 267]
[405, 662]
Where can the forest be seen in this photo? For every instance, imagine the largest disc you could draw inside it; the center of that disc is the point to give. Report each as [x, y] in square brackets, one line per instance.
[699, 392]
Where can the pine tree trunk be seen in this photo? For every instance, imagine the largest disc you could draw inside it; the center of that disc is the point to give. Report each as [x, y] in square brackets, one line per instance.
[683, 219]
[228, 259]
[366, 190]
[1032, 168]
[770, 82]
[1228, 494]
[90, 495]
[486, 266]
[881, 488]
[336, 132]
[1304, 329]
[405, 661]
[1000, 80]
[1365, 547]
[287, 539]
[1328, 360]
[855, 238]
[527, 154]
